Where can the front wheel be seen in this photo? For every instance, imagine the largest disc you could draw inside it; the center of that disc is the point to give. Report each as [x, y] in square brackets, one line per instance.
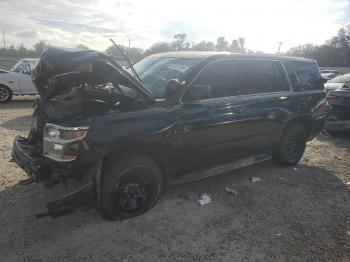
[130, 187]
[292, 145]
[5, 94]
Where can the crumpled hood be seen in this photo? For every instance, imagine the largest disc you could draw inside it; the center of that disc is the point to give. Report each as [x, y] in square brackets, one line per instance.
[82, 66]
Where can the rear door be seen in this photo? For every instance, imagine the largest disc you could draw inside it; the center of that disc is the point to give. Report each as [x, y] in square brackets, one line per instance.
[266, 92]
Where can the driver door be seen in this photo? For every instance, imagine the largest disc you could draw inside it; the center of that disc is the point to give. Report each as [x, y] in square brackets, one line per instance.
[212, 126]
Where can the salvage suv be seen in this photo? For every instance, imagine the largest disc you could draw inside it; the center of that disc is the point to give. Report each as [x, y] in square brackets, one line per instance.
[116, 137]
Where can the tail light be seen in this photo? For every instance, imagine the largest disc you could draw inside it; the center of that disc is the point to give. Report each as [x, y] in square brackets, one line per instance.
[330, 96]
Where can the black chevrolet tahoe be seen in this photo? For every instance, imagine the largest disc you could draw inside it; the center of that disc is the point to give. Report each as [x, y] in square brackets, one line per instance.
[116, 136]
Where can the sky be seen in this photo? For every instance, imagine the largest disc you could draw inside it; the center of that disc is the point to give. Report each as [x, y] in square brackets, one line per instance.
[92, 22]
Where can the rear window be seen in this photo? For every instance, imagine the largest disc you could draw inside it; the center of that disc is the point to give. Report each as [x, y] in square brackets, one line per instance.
[260, 76]
[308, 74]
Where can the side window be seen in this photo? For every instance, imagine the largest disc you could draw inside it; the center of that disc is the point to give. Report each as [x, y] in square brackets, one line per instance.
[219, 79]
[308, 75]
[260, 76]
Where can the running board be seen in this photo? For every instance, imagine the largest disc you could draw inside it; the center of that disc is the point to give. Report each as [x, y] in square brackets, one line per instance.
[220, 169]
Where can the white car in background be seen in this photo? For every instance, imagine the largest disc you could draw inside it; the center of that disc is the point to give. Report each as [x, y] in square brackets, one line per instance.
[17, 81]
[338, 82]
[329, 74]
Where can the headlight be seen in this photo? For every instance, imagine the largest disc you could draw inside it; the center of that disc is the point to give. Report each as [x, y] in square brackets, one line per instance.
[62, 143]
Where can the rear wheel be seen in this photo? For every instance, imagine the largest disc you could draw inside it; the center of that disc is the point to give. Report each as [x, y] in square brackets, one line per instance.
[130, 187]
[292, 145]
[5, 94]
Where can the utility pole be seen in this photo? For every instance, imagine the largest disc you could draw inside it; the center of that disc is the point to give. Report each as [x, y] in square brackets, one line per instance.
[3, 37]
[129, 43]
[279, 46]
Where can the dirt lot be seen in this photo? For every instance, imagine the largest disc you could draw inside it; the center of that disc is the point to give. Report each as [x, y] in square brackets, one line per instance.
[292, 214]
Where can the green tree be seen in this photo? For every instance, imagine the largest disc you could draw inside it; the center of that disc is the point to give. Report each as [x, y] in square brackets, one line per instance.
[234, 47]
[159, 47]
[222, 44]
[40, 47]
[204, 46]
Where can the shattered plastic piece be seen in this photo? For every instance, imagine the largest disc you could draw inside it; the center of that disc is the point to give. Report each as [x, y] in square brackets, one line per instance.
[295, 168]
[256, 179]
[204, 199]
[278, 234]
[281, 178]
[231, 191]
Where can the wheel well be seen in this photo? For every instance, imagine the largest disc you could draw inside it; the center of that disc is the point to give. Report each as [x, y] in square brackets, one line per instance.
[6, 87]
[112, 156]
[305, 121]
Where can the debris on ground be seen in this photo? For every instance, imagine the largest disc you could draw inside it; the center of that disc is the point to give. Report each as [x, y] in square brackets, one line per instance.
[278, 234]
[347, 183]
[348, 232]
[204, 199]
[295, 168]
[256, 179]
[338, 157]
[231, 190]
[281, 178]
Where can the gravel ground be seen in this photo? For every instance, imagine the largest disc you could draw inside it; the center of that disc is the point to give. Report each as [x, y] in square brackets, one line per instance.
[292, 214]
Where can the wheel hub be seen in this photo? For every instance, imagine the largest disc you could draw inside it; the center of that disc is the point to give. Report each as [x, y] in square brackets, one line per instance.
[4, 94]
[133, 194]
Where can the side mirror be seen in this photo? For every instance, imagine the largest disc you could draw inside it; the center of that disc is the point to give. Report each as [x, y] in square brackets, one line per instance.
[172, 86]
[199, 92]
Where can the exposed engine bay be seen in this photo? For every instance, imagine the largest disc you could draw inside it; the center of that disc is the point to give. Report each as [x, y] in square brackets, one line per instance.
[78, 84]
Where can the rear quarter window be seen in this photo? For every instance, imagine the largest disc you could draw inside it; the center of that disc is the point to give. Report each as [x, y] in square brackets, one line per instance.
[308, 75]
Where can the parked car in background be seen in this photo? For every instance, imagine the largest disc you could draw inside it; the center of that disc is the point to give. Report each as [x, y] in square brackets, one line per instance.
[17, 81]
[338, 102]
[329, 74]
[338, 82]
[118, 139]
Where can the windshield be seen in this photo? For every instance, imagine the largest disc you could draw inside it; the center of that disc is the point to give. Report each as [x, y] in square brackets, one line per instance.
[340, 79]
[21, 64]
[154, 72]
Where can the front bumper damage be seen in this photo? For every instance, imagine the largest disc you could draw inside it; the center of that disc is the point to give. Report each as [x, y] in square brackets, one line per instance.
[70, 190]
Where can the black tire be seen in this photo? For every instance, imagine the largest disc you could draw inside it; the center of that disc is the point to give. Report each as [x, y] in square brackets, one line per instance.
[5, 94]
[129, 187]
[291, 146]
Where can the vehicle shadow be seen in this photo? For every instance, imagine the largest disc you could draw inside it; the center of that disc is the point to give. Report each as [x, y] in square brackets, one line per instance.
[20, 123]
[291, 211]
[340, 139]
[18, 103]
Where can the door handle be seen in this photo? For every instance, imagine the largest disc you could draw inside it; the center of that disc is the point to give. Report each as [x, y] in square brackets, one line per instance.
[283, 99]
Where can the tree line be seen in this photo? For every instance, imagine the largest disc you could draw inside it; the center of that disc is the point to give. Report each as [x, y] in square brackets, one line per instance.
[334, 52]
[134, 53]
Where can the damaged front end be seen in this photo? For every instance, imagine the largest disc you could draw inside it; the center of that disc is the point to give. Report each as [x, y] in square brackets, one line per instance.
[73, 86]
